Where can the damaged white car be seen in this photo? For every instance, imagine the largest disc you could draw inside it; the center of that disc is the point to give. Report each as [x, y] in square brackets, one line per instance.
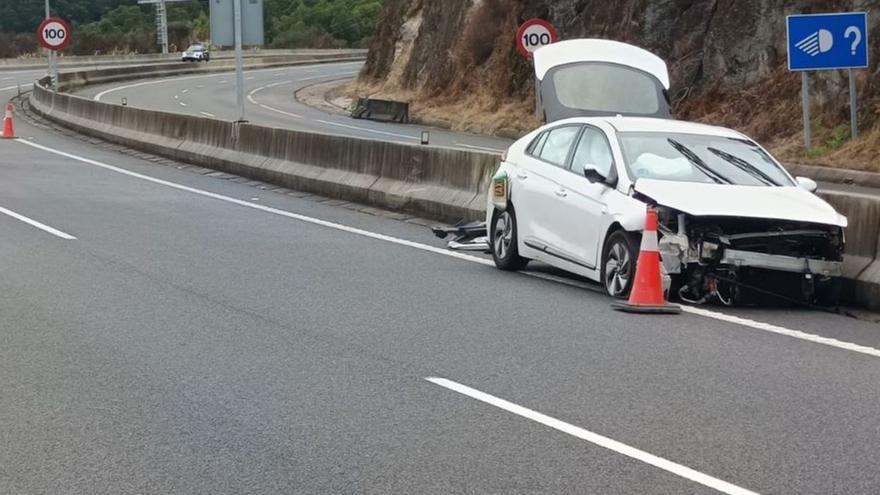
[573, 193]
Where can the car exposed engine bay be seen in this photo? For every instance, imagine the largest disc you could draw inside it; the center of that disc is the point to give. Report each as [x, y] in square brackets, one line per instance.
[716, 258]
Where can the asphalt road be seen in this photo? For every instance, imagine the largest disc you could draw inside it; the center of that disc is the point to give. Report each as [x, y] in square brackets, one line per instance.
[271, 102]
[169, 330]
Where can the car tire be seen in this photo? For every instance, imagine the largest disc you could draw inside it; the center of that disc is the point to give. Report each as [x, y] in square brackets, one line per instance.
[619, 257]
[503, 241]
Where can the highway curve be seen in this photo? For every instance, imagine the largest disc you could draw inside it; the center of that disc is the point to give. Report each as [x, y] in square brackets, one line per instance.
[169, 329]
[270, 101]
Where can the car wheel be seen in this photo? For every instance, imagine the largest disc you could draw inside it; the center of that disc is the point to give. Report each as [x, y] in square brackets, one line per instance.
[619, 258]
[504, 241]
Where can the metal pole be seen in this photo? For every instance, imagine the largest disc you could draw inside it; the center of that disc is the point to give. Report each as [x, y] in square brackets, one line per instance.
[239, 63]
[805, 97]
[53, 63]
[163, 25]
[854, 127]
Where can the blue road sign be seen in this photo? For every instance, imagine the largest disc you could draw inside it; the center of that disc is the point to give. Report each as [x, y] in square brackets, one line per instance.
[827, 41]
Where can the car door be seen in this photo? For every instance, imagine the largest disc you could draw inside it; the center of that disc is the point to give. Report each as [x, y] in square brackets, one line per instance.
[578, 212]
[536, 186]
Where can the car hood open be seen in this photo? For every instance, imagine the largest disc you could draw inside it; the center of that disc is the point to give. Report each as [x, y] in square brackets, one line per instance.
[782, 203]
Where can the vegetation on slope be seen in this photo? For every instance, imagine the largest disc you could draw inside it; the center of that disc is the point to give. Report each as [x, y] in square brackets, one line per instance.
[110, 26]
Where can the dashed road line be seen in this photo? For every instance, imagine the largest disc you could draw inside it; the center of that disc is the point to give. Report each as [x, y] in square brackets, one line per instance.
[39, 225]
[595, 438]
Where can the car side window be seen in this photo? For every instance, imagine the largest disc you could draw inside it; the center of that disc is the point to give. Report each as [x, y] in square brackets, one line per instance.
[558, 144]
[593, 148]
[535, 148]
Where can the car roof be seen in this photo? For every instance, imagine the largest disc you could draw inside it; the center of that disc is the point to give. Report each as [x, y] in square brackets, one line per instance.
[647, 124]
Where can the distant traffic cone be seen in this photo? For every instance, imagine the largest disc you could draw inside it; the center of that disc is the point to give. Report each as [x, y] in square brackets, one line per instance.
[8, 132]
[646, 295]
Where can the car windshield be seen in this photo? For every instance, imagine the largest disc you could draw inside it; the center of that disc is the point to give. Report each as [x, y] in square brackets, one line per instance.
[700, 158]
[196, 48]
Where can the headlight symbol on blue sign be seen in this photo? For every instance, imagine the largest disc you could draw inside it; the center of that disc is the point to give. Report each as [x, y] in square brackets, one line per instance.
[827, 41]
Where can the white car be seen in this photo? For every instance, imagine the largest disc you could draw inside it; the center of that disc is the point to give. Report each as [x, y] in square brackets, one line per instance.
[574, 193]
[196, 52]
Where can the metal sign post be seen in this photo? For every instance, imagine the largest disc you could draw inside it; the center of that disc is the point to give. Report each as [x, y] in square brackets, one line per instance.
[854, 126]
[239, 63]
[53, 66]
[237, 23]
[825, 42]
[805, 104]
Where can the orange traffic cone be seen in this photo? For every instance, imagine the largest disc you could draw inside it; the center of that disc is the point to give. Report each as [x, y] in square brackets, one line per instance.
[8, 132]
[646, 295]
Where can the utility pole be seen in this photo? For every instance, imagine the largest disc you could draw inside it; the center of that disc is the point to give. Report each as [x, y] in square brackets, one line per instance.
[161, 21]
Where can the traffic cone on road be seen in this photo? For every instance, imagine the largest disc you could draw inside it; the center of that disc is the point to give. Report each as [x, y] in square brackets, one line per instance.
[8, 132]
[646, 295]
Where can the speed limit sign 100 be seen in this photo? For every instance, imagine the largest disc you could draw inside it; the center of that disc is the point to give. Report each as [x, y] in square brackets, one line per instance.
[534, 34]
[54, 33]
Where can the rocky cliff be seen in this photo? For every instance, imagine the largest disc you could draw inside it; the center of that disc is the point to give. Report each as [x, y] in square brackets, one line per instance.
[456, 62]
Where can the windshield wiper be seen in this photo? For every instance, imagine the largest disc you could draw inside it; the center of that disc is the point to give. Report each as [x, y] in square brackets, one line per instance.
[698, 162]
[745, 166]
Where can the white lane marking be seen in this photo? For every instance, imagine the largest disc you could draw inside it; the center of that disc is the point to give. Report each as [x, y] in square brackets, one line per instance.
[185, 91]
[176, 97]
[207, 114]
[250, 95]
[282, 112]
[181, 103]
[200, 86]
[817, 339]
[366, 129]
[251, 78]
[480, 148]
[223, 82]
[8, 88]
[34, 223]
[797, 334]
[10, 77]
[594, 438]
[266, 209]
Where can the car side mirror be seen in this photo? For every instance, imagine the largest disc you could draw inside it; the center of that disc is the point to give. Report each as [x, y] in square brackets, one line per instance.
[594, 175]
[807, 184]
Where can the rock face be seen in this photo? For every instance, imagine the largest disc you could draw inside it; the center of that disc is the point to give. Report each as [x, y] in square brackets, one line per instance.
[445, 53]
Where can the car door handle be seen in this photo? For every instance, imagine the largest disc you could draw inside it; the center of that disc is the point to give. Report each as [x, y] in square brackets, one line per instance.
[561, 193]
[521, 176]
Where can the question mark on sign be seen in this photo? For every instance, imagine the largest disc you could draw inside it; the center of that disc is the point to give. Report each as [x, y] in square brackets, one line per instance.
[857, 39]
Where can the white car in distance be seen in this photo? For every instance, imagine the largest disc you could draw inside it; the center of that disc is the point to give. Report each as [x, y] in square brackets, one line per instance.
[197, 52]
[733, 222]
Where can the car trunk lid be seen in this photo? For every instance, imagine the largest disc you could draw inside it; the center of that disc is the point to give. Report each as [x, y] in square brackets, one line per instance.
[594, 77]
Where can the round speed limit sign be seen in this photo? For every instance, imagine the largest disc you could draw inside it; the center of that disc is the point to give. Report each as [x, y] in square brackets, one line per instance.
[54, 33]
[534, 34]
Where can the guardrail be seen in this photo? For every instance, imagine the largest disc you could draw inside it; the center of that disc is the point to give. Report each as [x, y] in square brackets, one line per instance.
[74, 61]
[437, 183]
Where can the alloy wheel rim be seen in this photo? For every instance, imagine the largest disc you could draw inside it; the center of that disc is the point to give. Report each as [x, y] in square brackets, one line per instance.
[503, 235]
[618, 269]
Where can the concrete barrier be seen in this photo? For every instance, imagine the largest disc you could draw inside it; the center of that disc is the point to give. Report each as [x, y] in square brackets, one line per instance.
[437, 183]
